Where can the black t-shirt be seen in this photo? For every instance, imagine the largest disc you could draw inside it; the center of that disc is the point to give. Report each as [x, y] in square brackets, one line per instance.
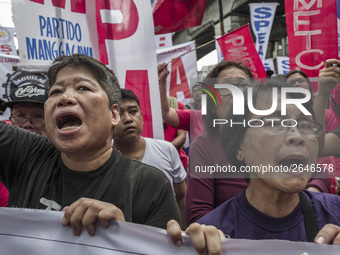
[32, 170]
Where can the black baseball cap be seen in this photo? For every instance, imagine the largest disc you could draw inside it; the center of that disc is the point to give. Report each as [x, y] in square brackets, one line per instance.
[26, 87]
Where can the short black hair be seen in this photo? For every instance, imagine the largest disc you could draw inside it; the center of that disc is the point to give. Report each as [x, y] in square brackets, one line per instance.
[105, 77]
[128, 94]
[232, 136]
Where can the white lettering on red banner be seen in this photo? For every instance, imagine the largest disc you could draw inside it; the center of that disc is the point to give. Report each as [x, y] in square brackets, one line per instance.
[238, 46]
[312, 30]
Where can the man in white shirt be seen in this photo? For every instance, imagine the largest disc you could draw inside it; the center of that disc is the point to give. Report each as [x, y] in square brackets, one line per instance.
[158, 153]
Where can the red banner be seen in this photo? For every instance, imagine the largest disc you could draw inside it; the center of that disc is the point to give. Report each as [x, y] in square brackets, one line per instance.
[238, 46]
[137, 81]
[175, 15]
[312, 34]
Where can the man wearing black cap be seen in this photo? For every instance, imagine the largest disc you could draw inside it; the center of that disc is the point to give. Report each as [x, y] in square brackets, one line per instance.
[27, 93]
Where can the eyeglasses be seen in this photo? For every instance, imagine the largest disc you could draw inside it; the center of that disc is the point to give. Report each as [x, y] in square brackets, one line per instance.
[243, 85]
[37, 121]
[280, 125]
[299, 80]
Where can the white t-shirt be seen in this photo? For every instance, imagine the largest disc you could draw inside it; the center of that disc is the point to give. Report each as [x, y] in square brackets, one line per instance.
[164, 156]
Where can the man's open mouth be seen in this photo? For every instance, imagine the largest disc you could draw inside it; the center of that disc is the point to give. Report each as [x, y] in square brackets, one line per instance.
[68, 122]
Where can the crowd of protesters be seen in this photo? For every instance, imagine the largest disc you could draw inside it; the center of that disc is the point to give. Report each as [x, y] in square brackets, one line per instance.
[82, 152]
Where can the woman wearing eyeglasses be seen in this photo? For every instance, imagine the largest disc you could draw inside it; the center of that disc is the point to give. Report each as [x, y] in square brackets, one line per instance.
[206, 189]
[278, 153]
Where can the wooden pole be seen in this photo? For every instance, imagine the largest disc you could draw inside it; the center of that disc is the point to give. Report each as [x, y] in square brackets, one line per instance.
[220, 7]
[191, 50]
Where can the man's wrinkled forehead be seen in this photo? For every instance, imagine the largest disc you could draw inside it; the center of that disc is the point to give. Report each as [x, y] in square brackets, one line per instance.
[77, 71]
[73, 80]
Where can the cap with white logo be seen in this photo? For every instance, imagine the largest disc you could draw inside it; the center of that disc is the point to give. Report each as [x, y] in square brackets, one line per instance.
[25, 87]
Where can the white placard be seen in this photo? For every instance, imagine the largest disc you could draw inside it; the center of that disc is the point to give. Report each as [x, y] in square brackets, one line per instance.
[181, 69]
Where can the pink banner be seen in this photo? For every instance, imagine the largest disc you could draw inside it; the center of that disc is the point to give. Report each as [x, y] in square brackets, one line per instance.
[312, 34]
[238, 46]
[175, 15]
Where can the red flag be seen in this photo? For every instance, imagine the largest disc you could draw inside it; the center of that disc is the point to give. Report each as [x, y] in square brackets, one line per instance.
[238, 46]
[138, 82]
[312, 34]
[175, 15]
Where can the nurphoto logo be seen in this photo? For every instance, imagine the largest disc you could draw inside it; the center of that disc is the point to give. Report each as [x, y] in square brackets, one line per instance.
[239, 99]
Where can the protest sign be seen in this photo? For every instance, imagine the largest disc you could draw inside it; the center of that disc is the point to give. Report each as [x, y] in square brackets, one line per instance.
[118, 33]
[8, 59]
[7, 46]
[238, 46]
[269, 64]
[312, 34]
[262, 16]
[283, 65]
[181, 69]
[6, 68]
[163, 41]
[219, 52]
